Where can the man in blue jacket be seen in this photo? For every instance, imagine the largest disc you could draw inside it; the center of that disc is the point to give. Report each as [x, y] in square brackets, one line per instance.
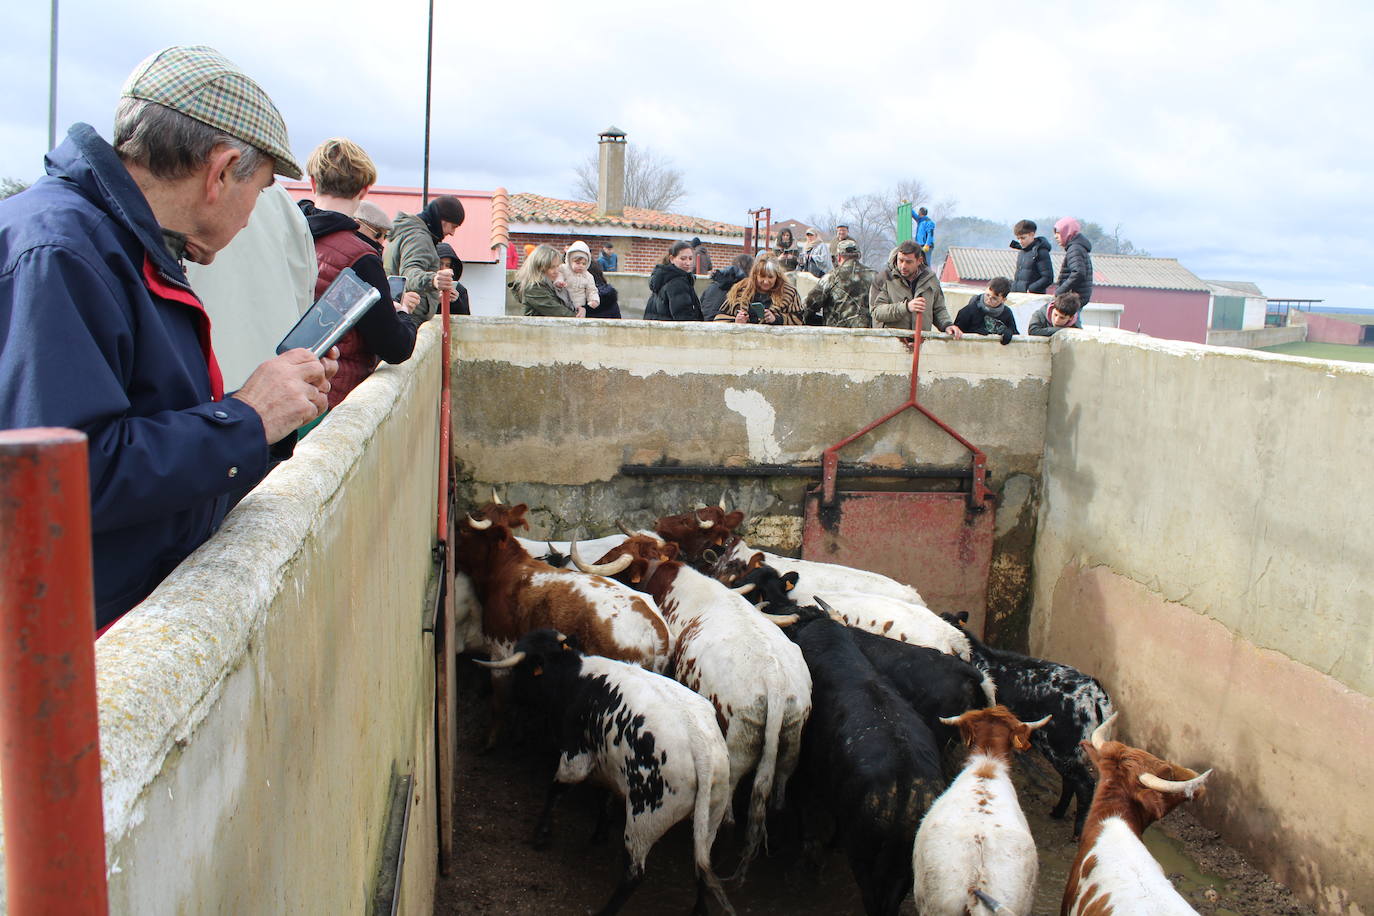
[100, 332]
[925, 234]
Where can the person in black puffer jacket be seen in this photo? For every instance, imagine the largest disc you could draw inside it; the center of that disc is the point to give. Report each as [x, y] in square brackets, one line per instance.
[1076, 276]
[1034, 269]
[721, 281]
[609, 295]
[672, 289]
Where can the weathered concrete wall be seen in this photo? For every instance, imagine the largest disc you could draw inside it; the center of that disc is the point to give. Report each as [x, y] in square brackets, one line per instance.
[1205, 549]
[252, 710]
[1256, 338]
[549, 409]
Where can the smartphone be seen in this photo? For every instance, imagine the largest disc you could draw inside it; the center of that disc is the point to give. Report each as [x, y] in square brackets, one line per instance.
[345, 301]
[756, 312]
[398, 286]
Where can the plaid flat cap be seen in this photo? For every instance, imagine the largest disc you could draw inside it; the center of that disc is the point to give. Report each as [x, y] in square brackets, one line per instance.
[201, 83]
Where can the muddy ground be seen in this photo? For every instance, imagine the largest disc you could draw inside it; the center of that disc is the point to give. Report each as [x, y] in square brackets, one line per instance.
[500, 794]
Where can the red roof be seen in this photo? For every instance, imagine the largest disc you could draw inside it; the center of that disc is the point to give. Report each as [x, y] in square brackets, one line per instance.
[534, 208]
[485, 227]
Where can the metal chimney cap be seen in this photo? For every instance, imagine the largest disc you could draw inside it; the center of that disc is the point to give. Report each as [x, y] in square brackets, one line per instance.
[612, 133]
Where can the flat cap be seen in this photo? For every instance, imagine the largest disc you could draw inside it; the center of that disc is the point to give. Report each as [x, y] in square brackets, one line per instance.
[203, 84]
[373, 215]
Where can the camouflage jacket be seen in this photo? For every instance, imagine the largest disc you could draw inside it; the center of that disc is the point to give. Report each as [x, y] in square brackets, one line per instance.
[840, 300]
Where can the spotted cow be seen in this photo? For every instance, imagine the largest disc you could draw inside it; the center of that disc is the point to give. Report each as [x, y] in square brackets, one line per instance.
[650, 740]
[1114, 872]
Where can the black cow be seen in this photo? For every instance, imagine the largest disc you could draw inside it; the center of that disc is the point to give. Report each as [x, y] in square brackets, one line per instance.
[869, 759]
[1033, 688]
[645, 737]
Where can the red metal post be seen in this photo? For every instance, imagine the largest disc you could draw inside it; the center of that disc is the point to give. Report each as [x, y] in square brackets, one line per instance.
[49, 728]
[445, 409]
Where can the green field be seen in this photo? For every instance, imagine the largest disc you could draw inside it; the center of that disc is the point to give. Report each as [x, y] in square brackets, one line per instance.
[1325, 351]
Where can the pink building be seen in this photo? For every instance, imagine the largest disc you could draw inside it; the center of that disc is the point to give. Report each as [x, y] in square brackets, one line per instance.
[1161, 297]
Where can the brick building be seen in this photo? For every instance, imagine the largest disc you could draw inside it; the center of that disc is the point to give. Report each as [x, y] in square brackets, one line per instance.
[641, 237]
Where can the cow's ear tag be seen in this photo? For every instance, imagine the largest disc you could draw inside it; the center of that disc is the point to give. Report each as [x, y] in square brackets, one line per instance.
[539, 670]
[790, 586]
[566, 647]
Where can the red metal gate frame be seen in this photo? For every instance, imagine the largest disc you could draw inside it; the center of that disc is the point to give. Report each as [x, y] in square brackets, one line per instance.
[979, 495]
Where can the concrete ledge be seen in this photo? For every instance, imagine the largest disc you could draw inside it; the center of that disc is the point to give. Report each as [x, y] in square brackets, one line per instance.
[202, 688]
[1255, 338]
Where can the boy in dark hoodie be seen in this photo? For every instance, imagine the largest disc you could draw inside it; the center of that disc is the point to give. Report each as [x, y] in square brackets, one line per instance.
[988, 313]
[1034, 270]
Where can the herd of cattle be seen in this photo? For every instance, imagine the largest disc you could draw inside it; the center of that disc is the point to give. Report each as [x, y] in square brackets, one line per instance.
[682, 663]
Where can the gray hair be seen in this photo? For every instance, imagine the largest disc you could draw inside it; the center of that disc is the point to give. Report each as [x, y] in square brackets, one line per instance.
[172, 145]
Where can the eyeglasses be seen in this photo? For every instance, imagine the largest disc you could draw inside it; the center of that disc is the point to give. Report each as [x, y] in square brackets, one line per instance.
[378, 234]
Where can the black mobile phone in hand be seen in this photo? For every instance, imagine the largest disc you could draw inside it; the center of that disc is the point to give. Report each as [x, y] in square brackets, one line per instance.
[398, 286]
[344, 301]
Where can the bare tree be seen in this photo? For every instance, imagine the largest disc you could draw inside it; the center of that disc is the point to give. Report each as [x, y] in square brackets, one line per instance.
[651, 180]
[872, 217]
[11, 186]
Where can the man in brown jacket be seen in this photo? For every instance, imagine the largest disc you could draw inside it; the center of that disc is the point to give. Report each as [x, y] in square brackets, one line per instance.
[906, 289]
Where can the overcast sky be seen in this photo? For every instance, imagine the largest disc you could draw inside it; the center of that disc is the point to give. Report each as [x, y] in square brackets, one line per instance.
[1236, 137]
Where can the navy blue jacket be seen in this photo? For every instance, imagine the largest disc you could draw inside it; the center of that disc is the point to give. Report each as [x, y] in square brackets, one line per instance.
[100, 332]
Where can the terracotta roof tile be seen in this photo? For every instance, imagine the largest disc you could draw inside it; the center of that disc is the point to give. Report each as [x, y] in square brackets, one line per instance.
[534, 208]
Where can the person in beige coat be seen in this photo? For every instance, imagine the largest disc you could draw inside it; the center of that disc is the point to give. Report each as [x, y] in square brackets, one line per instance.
[576, 278]
[907, 288]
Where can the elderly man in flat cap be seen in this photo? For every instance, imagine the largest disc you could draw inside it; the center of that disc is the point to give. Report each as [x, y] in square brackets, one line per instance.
[99, 330]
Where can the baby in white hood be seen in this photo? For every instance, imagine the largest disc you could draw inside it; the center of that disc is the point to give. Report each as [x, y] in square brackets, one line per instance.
[574, 276]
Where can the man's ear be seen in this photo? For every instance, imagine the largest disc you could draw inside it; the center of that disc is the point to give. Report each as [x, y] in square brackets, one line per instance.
[219, 171]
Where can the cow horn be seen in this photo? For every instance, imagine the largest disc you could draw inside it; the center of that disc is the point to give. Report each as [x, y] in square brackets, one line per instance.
[496, 497]
[511, 662]
[953, 720]
[603, 569]
[834, 614]
[1100, 733]
[783, 620]
[624, 528]
[702, 523]
[722, 501]
[479, 526]
[743, 589]
[1186, 787]
[1039, 723]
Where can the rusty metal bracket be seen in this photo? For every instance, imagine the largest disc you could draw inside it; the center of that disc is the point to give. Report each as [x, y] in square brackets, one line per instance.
[979, 496]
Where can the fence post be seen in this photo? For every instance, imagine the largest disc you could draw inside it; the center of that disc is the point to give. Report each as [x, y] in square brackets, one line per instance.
[49, 729]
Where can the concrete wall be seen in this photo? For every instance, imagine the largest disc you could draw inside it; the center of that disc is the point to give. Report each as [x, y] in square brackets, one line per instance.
[1257, 338]
[1204, 548]
[1324, 329]
[252, 710]
[549, 409]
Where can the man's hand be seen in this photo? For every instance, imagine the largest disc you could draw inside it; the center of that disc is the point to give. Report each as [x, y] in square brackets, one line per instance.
[288, 391]
[955, 331]
[409, 299]
[916, 306]
[443, 279]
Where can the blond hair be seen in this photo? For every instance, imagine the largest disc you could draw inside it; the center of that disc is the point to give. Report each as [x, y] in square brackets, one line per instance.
[536, 264]
[341, 168]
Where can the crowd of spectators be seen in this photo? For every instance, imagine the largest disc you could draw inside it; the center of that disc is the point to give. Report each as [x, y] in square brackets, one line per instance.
[115, 264]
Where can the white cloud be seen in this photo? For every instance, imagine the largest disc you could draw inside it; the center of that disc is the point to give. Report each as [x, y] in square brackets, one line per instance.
[1232, 135]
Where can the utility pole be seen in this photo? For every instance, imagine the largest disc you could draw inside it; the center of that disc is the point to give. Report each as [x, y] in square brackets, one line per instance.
[52, 81]
[429, 79]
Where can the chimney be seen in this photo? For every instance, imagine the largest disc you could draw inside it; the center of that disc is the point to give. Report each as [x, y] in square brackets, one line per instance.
[610, 177]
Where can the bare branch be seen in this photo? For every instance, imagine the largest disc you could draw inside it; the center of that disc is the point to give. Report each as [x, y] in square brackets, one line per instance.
[651, 180]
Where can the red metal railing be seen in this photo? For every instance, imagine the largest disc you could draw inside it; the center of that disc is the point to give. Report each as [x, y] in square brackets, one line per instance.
[49, 729]
[445, 410]
[830, 460]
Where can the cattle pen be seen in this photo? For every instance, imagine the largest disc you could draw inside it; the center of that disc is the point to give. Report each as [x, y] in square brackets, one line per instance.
[268, 715]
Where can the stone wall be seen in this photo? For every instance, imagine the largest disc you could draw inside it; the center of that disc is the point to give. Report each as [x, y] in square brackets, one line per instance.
[1204, 548]
[549, 410]
[254, 708]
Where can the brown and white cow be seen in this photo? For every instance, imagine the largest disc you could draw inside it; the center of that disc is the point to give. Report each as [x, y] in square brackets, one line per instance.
[726, 651]
[1114, 872]
[520, 594]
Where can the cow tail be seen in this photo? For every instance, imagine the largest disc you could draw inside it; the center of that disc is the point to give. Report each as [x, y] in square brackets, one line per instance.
[703, 834]
[989, 689]
[756, 834]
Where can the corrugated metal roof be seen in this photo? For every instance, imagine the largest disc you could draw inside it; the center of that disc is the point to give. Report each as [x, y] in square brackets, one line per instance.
[1234, 288]
[1108, 269]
